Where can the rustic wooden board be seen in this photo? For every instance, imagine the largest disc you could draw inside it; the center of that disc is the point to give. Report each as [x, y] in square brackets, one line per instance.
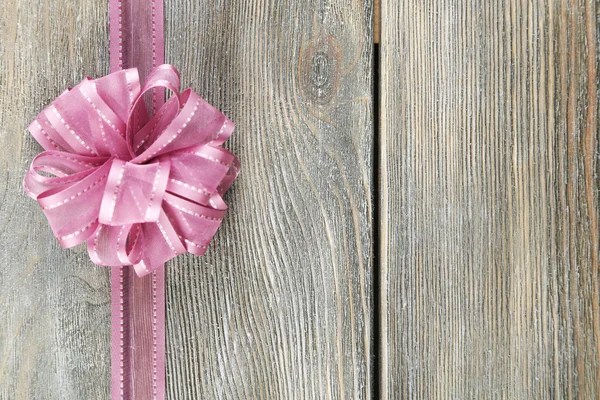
[282, 307]
[54, 304]
[489, 176]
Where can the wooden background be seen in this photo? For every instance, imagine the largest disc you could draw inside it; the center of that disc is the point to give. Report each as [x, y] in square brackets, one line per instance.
[417, 220]
[490, 192]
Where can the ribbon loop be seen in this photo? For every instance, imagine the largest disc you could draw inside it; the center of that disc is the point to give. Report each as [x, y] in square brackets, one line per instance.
[141, 190]
[72, 211]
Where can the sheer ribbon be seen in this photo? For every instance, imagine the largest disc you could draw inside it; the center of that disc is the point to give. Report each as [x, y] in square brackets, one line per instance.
[141, 184]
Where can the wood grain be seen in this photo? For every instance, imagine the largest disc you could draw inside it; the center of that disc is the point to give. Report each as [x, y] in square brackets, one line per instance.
[376, 21]
[489, 177]
[282, 307]
[54, 304]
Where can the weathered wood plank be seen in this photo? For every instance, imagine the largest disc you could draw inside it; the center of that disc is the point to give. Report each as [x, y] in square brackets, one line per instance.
[281, 308]
[489, 171]
[54, 304]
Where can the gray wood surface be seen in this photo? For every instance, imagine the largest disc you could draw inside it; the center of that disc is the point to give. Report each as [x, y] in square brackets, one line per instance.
[282, 307]
[489, 210]
[54, 303]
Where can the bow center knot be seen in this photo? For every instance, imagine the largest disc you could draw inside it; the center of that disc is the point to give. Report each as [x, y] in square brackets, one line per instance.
[134, 192]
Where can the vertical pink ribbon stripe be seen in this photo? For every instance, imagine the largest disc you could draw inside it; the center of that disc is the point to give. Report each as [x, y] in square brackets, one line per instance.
[138, 304]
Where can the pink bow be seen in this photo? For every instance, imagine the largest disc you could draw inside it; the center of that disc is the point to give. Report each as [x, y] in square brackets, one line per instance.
[139, 189]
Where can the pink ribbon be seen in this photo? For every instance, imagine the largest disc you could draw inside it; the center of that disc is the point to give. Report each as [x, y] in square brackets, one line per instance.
[140, 190]
[139, 187]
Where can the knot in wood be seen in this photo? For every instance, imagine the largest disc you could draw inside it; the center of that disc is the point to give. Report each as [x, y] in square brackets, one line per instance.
[320, 69]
